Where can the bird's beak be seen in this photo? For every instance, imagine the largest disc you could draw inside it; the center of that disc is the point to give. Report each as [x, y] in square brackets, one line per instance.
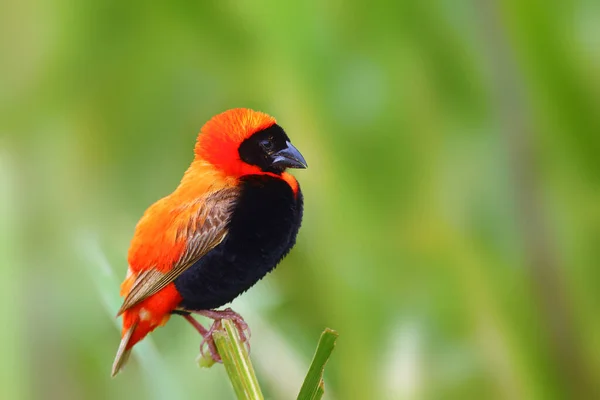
[289, 157]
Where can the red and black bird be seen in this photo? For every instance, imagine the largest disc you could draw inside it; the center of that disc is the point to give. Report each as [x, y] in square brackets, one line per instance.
[231, 220]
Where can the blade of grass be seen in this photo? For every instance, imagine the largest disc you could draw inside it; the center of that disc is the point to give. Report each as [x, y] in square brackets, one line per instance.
[237, 363]
[320, 391]
[312, 388]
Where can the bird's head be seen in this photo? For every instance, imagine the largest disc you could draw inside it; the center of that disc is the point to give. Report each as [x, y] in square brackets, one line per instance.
[244, 142]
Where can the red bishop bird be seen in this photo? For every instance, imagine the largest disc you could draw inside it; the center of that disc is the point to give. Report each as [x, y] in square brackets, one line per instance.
[231, 220]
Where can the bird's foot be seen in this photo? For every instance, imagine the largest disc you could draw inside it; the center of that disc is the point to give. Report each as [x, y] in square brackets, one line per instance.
[207, 337]
[218, 315]
[210, 343]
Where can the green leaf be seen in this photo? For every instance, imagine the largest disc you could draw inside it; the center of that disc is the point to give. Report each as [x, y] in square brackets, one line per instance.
[312, 388]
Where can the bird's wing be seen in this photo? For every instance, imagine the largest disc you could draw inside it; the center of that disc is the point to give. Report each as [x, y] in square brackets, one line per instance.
[205, 230]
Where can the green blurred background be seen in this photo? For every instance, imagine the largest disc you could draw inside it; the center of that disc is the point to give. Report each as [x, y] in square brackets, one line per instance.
[452, 222]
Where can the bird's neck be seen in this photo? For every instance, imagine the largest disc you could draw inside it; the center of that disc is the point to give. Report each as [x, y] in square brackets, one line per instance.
[202, 177]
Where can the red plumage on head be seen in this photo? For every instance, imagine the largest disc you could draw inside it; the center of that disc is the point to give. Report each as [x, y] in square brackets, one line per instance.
[220, 138]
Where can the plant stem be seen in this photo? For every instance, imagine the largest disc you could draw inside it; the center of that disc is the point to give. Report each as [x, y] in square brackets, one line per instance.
[237, 362]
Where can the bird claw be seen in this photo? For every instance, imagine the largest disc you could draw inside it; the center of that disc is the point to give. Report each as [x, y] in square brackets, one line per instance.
[241, 325]
[218, 316]
[208, 341]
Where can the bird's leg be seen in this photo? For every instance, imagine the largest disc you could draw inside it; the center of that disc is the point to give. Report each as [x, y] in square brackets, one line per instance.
[228, 313]
[207, 338]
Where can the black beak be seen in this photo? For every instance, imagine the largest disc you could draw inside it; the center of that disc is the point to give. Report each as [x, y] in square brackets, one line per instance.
[289, 157]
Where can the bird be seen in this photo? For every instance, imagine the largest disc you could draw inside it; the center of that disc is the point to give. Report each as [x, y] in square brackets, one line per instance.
[233, 217]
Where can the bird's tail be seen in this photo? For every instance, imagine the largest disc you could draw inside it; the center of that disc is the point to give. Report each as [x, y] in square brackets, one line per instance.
[124, 349]
[137, 323]
[143, 318]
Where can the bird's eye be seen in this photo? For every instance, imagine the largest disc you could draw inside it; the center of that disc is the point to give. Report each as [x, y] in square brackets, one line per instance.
[267, 145]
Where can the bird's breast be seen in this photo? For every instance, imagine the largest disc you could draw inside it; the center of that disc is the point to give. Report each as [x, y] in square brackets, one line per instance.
[262, 230]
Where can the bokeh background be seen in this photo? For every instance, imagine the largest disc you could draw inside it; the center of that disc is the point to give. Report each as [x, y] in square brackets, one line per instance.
[452, 220]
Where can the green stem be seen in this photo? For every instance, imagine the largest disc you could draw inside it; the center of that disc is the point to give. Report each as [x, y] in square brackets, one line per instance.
[237, 362]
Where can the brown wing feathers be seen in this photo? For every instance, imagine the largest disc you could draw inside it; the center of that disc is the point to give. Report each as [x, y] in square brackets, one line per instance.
[203, 233]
